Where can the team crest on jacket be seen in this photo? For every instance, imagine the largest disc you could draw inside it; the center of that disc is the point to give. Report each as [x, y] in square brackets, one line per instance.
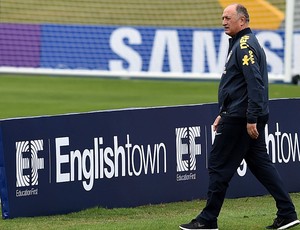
[248, 58]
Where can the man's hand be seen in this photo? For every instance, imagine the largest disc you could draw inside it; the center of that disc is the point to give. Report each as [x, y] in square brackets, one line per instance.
[252, 130]
[216, 122]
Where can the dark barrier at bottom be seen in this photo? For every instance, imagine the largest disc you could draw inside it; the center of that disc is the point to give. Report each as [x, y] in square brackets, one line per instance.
[125, 158]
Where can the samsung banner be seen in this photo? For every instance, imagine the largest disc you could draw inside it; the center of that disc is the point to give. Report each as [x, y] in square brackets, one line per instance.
[124, 158]
[123, 49]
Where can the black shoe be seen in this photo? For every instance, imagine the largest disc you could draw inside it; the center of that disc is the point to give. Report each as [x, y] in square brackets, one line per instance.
[195, 224]
[281, 223]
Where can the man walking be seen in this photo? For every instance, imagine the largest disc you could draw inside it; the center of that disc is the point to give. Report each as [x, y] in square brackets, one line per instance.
[243, 102]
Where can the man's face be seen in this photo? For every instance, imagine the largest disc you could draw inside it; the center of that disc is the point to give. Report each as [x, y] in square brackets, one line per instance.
[231, 21]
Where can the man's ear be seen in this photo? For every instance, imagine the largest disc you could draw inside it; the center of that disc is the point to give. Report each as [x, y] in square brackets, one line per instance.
[243, 21]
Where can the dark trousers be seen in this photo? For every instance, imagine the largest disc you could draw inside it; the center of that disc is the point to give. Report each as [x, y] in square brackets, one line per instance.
[232, 144]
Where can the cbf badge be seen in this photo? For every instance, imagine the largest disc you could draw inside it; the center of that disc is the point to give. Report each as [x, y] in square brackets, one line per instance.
[246, 59]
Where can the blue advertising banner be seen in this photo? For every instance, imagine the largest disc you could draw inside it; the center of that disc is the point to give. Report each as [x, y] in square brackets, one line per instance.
[132, 49]
[147, 49]
[125, 158]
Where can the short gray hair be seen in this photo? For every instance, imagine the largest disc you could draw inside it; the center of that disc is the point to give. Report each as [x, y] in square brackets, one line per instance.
[242, 10]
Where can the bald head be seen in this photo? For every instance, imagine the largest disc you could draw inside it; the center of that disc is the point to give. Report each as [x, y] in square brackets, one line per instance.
[235, 18]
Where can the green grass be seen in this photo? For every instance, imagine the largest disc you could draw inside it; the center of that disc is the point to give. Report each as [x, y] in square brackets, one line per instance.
[31, 96]
[40, 95]
[26, 96]
[244, 213]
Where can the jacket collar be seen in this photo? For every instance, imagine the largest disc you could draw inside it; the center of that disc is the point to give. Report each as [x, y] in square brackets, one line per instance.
[238, 35]
[242, 33]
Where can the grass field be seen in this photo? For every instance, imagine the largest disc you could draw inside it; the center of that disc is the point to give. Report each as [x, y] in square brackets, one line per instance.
[38, 95]
[244, 214]
[31, 96]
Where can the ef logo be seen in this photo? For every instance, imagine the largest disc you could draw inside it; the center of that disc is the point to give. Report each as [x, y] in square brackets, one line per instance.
[28, 162]
[187, 147]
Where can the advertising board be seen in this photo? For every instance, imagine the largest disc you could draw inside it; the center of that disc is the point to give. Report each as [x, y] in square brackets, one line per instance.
[125, 158]
[120, 49]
